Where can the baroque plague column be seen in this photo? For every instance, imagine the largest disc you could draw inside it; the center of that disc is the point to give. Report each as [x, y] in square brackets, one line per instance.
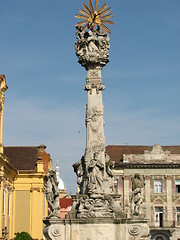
[94, 170]
[96, 212]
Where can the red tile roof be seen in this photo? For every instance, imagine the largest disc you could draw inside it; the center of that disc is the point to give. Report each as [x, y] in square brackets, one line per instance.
[65, 202]
[22, 158]
[116, 152]
[25, 158]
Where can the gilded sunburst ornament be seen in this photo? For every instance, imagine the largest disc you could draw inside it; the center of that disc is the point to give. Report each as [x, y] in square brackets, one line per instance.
[91, 17]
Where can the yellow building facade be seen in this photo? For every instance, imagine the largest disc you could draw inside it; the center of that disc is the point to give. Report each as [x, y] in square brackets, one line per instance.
[22, 192]
[7, 176]
[7, 173]
[29, 203]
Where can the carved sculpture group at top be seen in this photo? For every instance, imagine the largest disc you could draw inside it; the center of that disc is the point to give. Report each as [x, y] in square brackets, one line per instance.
[92, 47]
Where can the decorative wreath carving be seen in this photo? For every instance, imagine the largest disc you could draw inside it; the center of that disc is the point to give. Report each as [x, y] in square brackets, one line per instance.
[134, 230]
[56, 232]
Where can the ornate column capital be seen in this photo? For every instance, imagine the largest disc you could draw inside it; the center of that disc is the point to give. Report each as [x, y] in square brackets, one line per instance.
[126, 177]
[147, 177]
[168, 177]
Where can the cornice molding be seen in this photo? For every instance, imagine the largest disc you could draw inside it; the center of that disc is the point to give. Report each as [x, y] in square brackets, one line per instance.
[154, 165]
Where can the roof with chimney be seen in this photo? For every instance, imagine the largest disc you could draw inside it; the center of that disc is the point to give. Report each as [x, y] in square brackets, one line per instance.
[124, 155]
[26, 157]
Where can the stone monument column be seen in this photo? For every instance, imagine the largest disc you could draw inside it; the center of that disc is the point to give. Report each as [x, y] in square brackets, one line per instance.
[94, 170]
[95, 140]
[94, 110]
[96, 212]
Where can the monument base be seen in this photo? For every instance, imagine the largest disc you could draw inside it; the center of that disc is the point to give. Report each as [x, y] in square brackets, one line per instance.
[96, 229]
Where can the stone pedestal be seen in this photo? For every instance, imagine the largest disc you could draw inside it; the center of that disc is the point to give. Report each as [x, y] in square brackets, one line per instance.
[96, 229]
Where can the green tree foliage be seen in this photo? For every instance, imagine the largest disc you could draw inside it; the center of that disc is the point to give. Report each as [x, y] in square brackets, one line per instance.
[22, 236]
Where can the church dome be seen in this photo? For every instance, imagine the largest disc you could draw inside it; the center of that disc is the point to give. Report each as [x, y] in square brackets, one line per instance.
[61, 185]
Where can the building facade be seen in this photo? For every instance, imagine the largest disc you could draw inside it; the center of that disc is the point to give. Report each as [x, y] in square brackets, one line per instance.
[159, 168]
[29, 205]
[22, 191]
[7, 177]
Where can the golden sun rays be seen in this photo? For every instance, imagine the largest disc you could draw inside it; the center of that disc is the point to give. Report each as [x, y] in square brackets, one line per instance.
[92, 17]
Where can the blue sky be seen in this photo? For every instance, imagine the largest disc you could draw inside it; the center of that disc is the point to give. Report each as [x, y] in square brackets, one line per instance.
[45, 102]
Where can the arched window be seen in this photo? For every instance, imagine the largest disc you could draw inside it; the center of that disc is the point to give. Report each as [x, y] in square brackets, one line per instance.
[159, 238]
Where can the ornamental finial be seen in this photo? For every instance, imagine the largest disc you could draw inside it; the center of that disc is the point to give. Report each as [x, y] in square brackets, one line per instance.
[92, 17]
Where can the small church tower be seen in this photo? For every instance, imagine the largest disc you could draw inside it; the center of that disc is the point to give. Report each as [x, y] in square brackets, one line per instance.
[61, 186]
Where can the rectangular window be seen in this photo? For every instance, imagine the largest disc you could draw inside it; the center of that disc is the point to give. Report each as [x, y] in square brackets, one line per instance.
[159, 216]
[116, 186]
[177, 182]
[178, 215]
[158, 186]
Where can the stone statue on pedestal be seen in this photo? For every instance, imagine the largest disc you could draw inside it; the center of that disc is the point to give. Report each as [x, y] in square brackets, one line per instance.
[136, 199]
[52, 194]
